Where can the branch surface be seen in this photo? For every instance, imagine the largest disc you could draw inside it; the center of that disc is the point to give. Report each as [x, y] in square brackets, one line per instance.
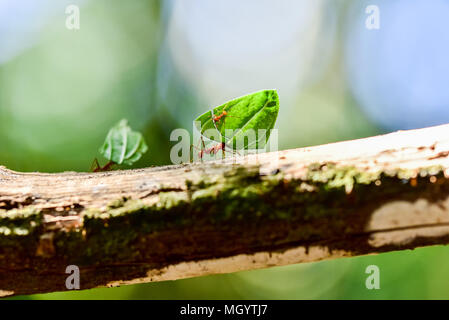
[378, 194]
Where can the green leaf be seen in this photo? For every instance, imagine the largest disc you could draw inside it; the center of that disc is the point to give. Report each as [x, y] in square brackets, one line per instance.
[123, 145]
[256, 111]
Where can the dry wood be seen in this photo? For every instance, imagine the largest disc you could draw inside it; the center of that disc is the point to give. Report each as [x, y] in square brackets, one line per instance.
[371, 195]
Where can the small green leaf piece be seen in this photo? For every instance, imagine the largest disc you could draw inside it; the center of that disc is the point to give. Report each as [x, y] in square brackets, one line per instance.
[123, 145]
[256, 111]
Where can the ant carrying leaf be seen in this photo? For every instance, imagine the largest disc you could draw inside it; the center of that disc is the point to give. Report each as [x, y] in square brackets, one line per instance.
[121, 146]
[248, 114]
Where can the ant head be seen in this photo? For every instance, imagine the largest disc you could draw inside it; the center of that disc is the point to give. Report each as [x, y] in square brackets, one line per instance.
[225, 112]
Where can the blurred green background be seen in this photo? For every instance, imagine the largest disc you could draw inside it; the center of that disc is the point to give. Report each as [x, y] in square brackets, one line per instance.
[162, 63]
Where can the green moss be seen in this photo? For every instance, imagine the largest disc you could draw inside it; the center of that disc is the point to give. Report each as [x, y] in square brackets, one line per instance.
[331, 176]
[20, 222]
[119, 208]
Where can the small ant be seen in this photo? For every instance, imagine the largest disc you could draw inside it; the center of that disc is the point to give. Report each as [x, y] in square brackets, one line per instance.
[212, 150]
[224, 113]
[95, 167]
[220, 146]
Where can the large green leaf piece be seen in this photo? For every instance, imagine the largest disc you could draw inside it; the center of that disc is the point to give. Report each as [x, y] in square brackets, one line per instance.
[123, 145]
[242, 121]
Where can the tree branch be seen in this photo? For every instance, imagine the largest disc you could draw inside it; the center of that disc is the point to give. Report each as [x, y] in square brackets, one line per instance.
[371, 195]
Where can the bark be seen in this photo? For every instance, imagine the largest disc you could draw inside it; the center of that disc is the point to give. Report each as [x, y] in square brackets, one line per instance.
[358, 197]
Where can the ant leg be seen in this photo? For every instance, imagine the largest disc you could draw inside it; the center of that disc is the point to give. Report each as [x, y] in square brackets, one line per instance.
[233, 151]
[196, 148]
[192, 155]
[213, 121]
[203, 146]
[95, 166]
[108, 166]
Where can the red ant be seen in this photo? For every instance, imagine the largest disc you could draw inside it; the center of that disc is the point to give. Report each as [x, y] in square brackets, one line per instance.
[224, 113]
[212, 150]
[220, 146]
[95, 167]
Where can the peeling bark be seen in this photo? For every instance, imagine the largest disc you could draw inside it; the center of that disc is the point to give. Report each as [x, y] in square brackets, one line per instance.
[364, 196]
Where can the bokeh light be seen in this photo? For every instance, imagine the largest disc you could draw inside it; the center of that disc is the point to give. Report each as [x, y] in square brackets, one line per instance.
[399, 73]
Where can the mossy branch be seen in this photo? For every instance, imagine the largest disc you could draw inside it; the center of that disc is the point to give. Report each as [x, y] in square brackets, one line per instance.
[351, 198]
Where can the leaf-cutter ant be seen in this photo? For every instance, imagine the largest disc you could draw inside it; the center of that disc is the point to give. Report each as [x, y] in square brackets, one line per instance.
[224, 113]
[212, 150]
[95, 167]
